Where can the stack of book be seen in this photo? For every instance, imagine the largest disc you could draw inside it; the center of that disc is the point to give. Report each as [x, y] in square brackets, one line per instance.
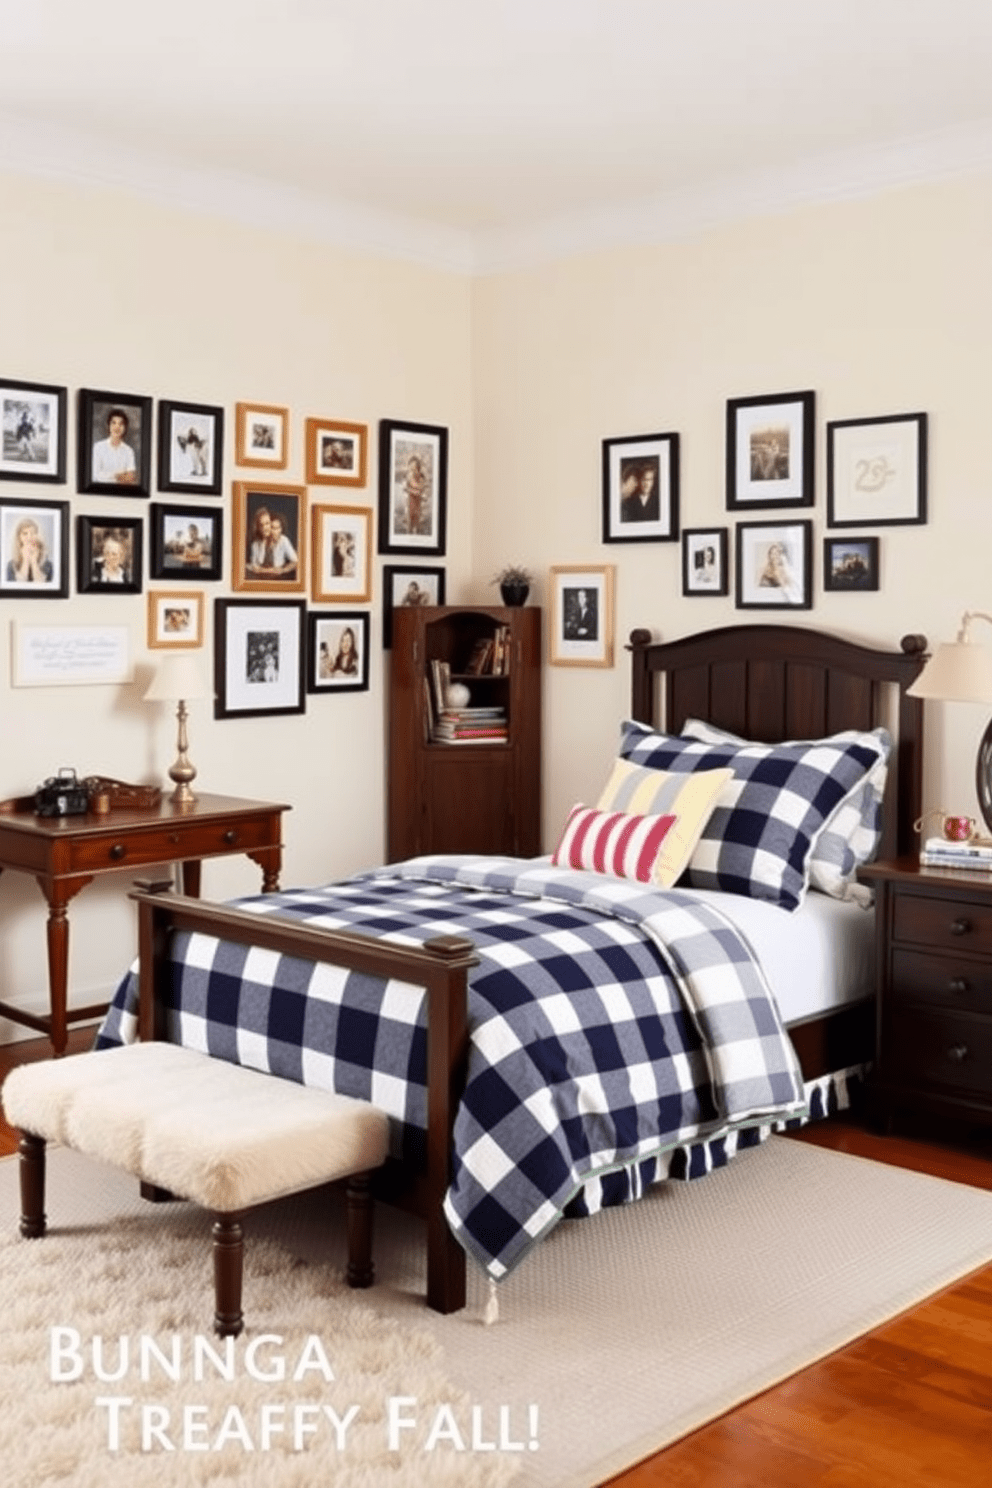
[939, 852]
[471, 726]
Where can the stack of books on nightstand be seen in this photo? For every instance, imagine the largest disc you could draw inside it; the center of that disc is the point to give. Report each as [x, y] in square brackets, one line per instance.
[939, 852]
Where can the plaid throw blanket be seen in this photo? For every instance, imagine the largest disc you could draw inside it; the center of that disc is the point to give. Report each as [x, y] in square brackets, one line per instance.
[608, 1023]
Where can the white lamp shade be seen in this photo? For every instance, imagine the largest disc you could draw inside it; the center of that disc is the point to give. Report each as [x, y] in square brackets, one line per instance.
[958, 671]
[179, 676]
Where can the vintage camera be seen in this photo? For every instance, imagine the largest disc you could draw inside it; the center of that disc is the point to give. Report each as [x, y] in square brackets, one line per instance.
[61, 795]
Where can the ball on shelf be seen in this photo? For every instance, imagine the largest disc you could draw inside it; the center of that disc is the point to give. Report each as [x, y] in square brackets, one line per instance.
[457, 695]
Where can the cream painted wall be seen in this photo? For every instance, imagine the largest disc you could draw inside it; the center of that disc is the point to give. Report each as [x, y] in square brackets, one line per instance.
[881, 306]
[110, 291]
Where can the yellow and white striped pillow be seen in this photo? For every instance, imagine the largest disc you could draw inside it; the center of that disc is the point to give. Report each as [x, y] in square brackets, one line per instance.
[690, 799]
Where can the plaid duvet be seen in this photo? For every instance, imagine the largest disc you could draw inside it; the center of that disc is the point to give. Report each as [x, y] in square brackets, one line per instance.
[609, 1025]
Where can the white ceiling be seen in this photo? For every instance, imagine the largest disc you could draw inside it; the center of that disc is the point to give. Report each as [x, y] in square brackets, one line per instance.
[479, 133]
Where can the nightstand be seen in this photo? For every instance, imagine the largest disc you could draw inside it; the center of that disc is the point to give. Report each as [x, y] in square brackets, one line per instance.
[934, 974]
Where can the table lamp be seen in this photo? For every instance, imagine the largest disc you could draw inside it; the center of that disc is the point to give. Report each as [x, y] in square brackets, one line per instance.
[960, 671]
[180, 679]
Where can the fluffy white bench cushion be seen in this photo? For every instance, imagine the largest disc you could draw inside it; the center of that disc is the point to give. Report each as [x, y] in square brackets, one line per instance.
[222, 1135]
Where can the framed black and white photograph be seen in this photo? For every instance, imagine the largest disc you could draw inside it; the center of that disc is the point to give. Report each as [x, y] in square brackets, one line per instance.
[413, 487]
[268, 542]
[259, 657]
[582, 615]
[850, 563]
[190, 447]
[774, 565]
[338, 652]
[641, 488]
[175, 618]
[408, 586]
[34, 549]
[261, 435]
[340, 554]
[877, 471]
[705, 567]
[187, 541]
[770, 451]
[109, 555]
[32, 420]
[115, 443]
[337, 452]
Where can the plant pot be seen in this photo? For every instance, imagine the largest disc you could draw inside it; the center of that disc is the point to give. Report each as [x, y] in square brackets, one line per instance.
[514, 594]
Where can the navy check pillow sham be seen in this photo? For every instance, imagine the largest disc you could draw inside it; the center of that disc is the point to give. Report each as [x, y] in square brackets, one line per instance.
[759, 839]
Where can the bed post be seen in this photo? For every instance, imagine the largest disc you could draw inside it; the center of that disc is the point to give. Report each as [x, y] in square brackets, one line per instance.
[642, 678]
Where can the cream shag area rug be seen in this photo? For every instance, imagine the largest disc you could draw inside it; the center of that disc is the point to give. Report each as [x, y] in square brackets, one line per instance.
[616, 1336]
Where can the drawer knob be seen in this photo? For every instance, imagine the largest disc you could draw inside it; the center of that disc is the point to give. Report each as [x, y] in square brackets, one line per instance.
[957, 984]
[230, 836]
[960, 927]
[117, 851]
[957, 1053]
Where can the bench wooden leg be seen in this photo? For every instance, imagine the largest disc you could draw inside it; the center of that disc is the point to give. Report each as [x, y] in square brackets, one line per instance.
[361, 1271]
[228, 1274]
[32, 1176]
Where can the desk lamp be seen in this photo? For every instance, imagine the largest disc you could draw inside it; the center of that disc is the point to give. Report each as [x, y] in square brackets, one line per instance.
[180, 679]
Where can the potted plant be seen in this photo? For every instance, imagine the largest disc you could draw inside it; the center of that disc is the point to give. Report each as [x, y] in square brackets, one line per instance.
[514, 583]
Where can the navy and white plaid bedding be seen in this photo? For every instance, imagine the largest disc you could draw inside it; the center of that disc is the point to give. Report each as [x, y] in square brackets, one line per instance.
[608, 1024]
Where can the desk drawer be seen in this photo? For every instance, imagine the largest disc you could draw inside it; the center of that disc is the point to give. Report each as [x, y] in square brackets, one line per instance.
[172, 842]
[949, 981]
[946, 924]
[948, 1051]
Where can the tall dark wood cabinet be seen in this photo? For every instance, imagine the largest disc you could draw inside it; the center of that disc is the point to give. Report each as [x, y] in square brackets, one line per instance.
[458, 796]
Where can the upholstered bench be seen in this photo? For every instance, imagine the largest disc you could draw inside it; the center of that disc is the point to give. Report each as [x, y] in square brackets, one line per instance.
[226, 1137]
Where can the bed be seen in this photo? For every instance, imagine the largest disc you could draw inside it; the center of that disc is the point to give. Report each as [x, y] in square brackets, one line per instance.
[549, 1037]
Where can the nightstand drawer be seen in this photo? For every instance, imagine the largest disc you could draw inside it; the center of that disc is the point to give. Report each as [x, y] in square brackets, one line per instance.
[952, 1051]
[946, 924]
[951, 981]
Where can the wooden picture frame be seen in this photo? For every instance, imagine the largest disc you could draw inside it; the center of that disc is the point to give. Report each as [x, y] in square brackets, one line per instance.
[340, 554]
[261, 435]
[109, 555]
[770, 451]
[705, 562]
[850, 564]
[34, 549]
[336, 452]
[413, 487]
[32, 420]
[641, 488]
[175, 619]
[187, 541]
[774, 563]
[877, 471]
[338, 652]
[190, 447]
[406, 585]
[269, 538]
[581, 602]
[259, 657]
[114, 451]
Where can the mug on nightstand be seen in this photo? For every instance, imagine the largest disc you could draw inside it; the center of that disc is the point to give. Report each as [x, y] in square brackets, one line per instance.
[954, 828]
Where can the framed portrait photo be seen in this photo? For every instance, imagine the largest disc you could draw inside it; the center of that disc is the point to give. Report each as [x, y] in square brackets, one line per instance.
[338, 652]
[190, 447]
[175, 618]
[850, 564]
[268, 542]
[770, 451]
[582, 615]
[187, 541]
[114, 452]
[405, 585]
[108, 555]
[705, 562]
[340, 554]
[413, 487]
[34, 549]
[259, 657]
[32, 419]
[641, 488]
[337, 453]
[877, 471]
[774, 565]
[261, 435]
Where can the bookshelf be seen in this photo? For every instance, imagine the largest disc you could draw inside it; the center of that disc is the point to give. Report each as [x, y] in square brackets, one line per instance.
[466, 779]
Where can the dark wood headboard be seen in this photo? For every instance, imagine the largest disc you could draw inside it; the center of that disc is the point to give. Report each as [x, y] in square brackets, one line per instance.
[776, 682]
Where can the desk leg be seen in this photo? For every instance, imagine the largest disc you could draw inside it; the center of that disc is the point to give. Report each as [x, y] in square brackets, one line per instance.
[269, 859]
[191, 877]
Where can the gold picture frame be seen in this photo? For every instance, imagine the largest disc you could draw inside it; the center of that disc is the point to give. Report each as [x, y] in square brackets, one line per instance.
[268, 546]
[336, 452]
[582, 614]
[261, 435]
[175, 619]
[340, 554]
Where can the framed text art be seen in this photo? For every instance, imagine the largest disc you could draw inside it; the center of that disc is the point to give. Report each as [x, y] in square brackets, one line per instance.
[175, 618]
[337, 453]
[641, 488]
[32, 420]
[338, 652]
[413, 487]
[770, 451]
[70, 655]
[114, 452]
[186, 541]
[877, 471]
[404, 586]
[704, 561]
[340, 554]
[190, 447]
[108, 555]
[582, 615]
[34, 549]
[259, 658]
[268, 543]
[774, 563]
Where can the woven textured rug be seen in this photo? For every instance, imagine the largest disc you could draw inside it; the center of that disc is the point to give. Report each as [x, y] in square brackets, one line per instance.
[616, 1337]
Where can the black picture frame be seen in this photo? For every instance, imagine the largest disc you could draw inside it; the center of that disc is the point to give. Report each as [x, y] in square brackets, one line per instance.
[186, 541]
[32, 420]
[771, 451]
[95, 457]
[259, 657]
[413, 487]
[705, 562]
[190, 447]
[850, 564]
[109, 555]
[408, 584]
[767, 580]
[877, 471]
[326, 671]
[641, 488]
[34, 565]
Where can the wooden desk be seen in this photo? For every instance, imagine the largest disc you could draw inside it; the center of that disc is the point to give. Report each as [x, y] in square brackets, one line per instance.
[64, 853]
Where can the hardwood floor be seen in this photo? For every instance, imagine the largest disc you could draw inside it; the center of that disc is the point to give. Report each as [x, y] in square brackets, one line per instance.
[907, 1406]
